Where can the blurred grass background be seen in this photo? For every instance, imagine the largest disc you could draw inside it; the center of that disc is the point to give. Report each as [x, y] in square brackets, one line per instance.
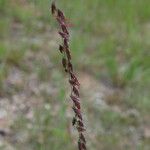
[111, 53]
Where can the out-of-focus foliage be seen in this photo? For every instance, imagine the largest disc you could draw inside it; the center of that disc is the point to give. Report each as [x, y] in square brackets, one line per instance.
[110, 48]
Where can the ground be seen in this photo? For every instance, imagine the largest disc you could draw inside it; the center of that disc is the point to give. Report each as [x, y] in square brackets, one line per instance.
[110, 51]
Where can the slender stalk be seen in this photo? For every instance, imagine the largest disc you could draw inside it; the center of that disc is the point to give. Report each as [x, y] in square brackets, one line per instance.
[64, 49]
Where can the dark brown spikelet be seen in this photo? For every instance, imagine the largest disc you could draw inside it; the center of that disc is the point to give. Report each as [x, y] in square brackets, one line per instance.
[83, 146]
[66, 43]
[77, 112]
[72, 82]
[70, 66]
[64, 29]
[64, 49]
[61, 48]
[74, 120]
[76, 91]
[80, 129]
[64, 62]
[80, 146]
[75, 78]
[60, 15]
[63, 35]
[53, 8]
[68, 54]
[74, 98]
[80, 123]
[82, 138]
[77, 104]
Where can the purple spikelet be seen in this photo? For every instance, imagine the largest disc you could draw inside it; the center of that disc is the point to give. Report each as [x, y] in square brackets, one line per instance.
[73, 81]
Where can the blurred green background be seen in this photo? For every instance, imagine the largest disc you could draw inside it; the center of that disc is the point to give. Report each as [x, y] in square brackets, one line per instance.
[110, 47]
